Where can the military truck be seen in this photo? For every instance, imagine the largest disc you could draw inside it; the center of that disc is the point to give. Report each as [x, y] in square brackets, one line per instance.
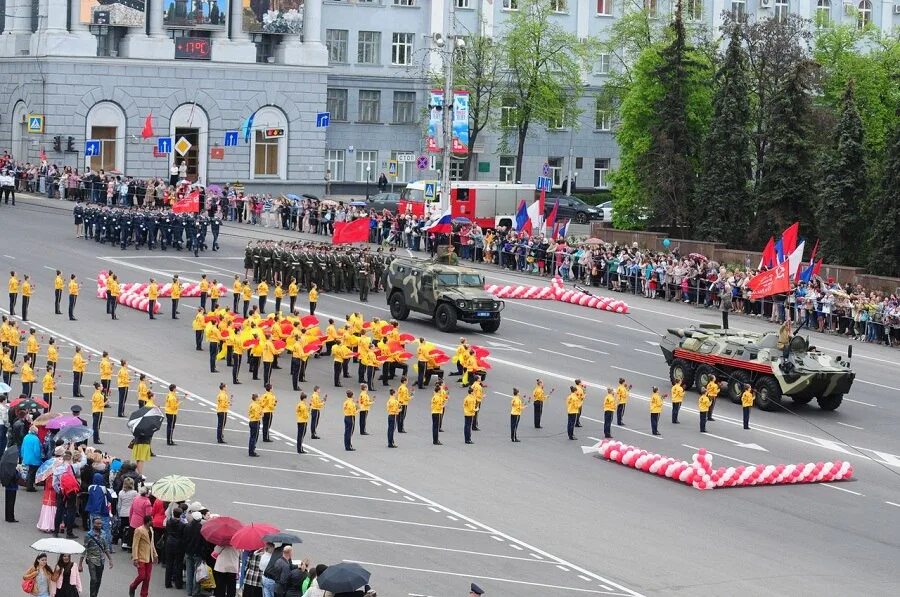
[441, 289]
[739, 358]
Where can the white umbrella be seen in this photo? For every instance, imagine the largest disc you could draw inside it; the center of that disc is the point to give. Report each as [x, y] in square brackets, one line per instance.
[57, 545]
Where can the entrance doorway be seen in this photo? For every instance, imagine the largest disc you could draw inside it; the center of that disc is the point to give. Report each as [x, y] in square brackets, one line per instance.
[192, 157]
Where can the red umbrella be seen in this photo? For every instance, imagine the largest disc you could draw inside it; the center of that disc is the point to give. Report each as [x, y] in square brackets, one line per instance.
[312, 347]
[251, 342]
[26, 403]
[309, 320]
[406, 338]
[250, 537]
[279, 344]
[405, 355]
[386, 328]
[220, 530]
[441, 359]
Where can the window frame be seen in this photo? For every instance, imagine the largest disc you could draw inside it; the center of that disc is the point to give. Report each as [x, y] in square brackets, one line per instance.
[781, 10]
[601, 168]
[371, 45]
[559, 7]
[360, 164]
[269, 117]
[822, 17]
[410, 109]
[402, 48]
[333, 46]
[510, 5]
[607, 8]
[333, 163]
[361, 116]
[335, 115]
[507, 113]
[864, 14]
[507, 171]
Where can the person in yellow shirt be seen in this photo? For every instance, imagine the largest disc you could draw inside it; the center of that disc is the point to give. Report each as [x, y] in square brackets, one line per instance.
[98, 403]
[32, 346]
[350, 411]
[236, 289]
[13, 339]
[621, 400]
[8, 366]
[123, 382]
[171, 410]
[515, 414]
[143, 390]
[223, 403]
[215, 293]
[422, 356]
[152, 295]
[747, 403]
[52, 353]
[458, 357]
[538, 396]
[313, 299]
[106, 371]
[175, 295]
[58, 285]
[204, 291]
[293, 291]
[262, 291]
[444, 389]
[331, 337]
[437, 409]
[573, 405]
[213, 338]
[339, 353]
[79, 366]
[581, 390]
[28, 376]
[48, 386]
[254, 416]
[269, 354]
[656, 406]
[279, 294]
[113, 290]
[393, 412]
[365, 402]
[13, 287]
[677, 399]
[198, 325]
[316, 404]
[712, 390]
[470, 404]
[609, 407]
[26, 296]
[403, 397]
[246, 295]
[73, 296]
[703, 405]
[477, 390]
[268, 401]
[302, 411]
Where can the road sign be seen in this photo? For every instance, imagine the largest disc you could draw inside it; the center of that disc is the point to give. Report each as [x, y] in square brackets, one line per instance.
[91, 148]
[429, 190]
[544, 183]
[217, 153]
[322, 120]
[392, 168]
[231, 138]
[406, 157]
[164, 145]
[274, 133]
[36, 123]
[182, 146]
[546, 169]
[422, 162]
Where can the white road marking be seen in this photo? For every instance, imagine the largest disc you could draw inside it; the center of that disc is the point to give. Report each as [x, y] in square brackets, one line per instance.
[625, 327]
[209, 428]
[268, 468]
[748, 463]
[496, 538]
[504, 341]
[568, 356]
[433, 509]
[534, 555]
[597, 439]
[639, 373]
[860, 402]
[862, 356]
[830, 486]
[451, 517]
[516, 547]
[650, 352]
[738, 443]
[533, 325]
[872, 383]
[591, 338]
[563, 568]
[893, 504]
[582, 347]
[850, 426]
[10, 257]
[582, 577]
[297, 490]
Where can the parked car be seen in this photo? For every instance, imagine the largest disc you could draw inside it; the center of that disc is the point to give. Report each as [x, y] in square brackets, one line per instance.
[383, 201]
[572, 207]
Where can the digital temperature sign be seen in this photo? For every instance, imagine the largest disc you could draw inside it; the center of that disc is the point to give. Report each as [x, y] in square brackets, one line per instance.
[193, 48]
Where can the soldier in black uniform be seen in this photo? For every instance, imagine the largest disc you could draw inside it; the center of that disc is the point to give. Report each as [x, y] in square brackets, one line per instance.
[214, 224]
[126, 224]
[166, 230]
[256, 256]
[190, 231]
[362, 279]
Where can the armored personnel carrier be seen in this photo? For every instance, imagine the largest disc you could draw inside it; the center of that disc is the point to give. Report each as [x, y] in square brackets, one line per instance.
[739, 358]
[441, 289]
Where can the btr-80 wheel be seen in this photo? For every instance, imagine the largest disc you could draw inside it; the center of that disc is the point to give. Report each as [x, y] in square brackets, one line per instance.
[830, 402]
[683, 371]
[768, 393]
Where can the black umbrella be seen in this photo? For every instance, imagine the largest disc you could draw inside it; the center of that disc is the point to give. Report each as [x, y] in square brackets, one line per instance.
[8, 463]
[146, 421]
[286, 538]
[343, 577]
[74, 434]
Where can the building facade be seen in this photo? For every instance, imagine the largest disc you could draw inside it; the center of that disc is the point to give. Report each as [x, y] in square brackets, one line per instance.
[73, 71]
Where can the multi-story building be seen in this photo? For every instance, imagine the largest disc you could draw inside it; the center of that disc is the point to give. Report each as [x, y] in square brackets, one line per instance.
[95, 70]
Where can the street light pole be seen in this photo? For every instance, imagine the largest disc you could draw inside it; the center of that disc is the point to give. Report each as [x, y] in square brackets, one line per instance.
[447, 53]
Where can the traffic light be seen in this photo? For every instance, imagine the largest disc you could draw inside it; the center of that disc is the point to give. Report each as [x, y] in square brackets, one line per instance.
[70, 145]
[57, 143]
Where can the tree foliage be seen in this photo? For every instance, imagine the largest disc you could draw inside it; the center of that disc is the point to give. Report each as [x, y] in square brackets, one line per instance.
[884, 242]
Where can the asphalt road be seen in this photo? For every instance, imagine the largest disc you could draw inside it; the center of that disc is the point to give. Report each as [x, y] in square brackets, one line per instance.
[533, 518]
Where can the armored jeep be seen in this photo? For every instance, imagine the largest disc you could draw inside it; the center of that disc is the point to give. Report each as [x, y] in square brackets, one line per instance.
[443, 290]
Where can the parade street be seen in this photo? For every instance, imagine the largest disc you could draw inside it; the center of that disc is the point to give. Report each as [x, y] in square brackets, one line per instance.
[525, 519]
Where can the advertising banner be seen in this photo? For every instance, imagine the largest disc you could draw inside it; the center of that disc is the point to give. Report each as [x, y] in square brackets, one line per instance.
[460, 131]
[195, 14]
[116, 13]
[272, 16]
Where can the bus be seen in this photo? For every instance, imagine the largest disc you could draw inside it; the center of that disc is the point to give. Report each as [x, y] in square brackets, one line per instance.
[488, 204]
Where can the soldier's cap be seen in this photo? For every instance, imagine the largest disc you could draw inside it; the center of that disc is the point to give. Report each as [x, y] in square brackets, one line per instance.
[76, 408]
[476, 589]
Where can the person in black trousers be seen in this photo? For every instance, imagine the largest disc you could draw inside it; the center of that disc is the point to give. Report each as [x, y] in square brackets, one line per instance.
[73, 297]
[174, 550]
[302, 422]
[57, 293]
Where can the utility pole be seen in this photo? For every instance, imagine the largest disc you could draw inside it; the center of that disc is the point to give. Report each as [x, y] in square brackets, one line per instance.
[570, 165]
[447, 53]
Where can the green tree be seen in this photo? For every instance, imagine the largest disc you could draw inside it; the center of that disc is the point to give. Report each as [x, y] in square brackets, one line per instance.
[722, 189]
[843, 189]
[544, 64]
[884, 242]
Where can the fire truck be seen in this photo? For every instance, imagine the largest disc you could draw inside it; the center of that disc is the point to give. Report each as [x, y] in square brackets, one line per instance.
[488, 204]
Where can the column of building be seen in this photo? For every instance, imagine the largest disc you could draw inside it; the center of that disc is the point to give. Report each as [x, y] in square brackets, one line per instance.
[310, 51]
[236, 47]
[155, 45]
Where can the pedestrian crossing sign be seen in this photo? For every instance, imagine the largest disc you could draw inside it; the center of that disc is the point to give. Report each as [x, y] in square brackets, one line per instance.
[392, 168]
[429, 190]
[35, 123]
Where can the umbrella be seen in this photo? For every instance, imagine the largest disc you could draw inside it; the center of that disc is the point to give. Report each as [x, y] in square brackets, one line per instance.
[173, 488]
[28, 404]
[214, 189]
[358, 204]
[293, 197]
[55, 545]
[4, 388]
[45, 418]
[593, 241]
[74, 434]
[286, 538]
[328, 203]
[63, 422]
[45, 470]
[146, 421]
[343, 577]
[9, 463]
[251, 536]
[220, 530]
[309, 320]
[461, 220]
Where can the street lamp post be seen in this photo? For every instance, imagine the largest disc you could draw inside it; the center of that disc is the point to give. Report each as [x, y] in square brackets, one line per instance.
[368, 178]
[447, 47]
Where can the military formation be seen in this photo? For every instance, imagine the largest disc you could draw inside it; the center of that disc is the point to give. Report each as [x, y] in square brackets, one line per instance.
[332, 268]
[147, 228]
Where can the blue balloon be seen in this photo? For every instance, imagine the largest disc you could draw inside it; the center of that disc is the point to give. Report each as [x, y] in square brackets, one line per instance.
[666, 243]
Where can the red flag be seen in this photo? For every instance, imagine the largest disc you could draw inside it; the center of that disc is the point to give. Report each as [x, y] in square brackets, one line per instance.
[356, 231]
[769, 257]
[188, 204]
[147, 131]
[789, 238]
[551, 218]
[43, 155]
[774, 281]
[817, 268]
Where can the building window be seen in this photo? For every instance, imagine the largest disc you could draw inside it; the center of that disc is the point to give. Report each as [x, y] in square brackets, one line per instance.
[695, 10]
[781, 10]
[336, 42]
[865, 14]
[507, 168]
[603, 117]
[508, 112]
[823, 13]
[738, 9]
[463, 4]
[603, 62]
[368, 50]
[401, 49]
[555, 170]
[404, 2]
[601, 173]
[511, 4]
[651, 7]
[404, 169]
[336, 104]
[106, 122]
[334, 161]
[265, 155]
[369, 105]
[269, 155]
[604, 7]
[559, 5]
[557, 121]
[404, 107]
[107, 158]
[456, 169]
[366, 161]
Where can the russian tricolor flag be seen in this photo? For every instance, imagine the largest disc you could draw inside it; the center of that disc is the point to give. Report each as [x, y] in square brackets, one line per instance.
[442, 225]
[564, 229]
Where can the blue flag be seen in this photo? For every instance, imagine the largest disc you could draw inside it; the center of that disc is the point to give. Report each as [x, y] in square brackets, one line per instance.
[247, 127]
